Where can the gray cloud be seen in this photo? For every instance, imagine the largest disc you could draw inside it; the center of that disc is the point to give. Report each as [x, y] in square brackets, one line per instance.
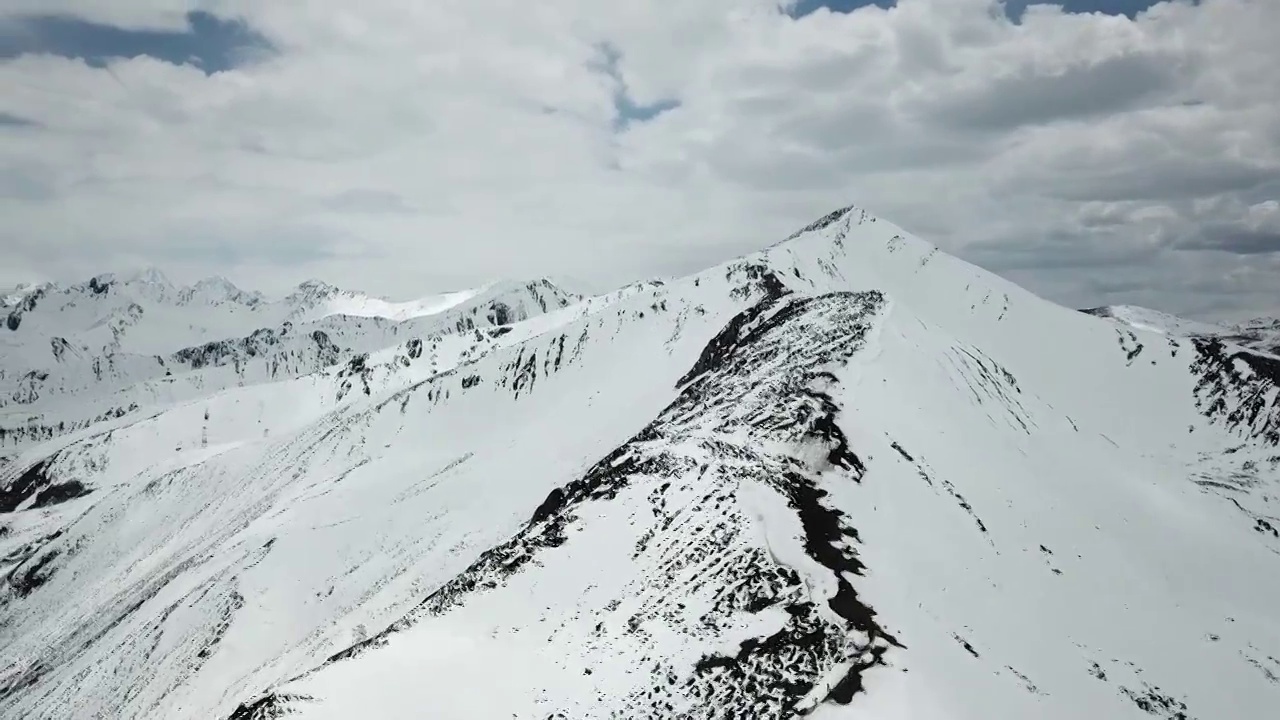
[15, 121]
[1240, 241]
[1062, 252]
[27, 183]
[363, 200]
[285, 245]
[1028, 97]
[1159, 179]
[1091, 158]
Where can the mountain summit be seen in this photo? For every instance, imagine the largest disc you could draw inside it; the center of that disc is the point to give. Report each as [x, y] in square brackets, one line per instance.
[847, 476]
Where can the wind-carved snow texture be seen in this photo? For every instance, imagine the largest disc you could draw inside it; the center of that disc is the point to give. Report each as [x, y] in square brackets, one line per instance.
[927, 475]
[842, 477]
[992, 385]
[753, 417]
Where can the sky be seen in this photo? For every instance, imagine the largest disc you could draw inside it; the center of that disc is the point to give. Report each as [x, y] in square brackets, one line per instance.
[1094, 151]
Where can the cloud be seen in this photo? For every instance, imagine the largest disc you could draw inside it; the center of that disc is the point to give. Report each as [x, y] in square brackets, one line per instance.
[1255, 232]
[1241, 242]
[14, 121]
[1119, 156]
[1034, 96]
[364, 200]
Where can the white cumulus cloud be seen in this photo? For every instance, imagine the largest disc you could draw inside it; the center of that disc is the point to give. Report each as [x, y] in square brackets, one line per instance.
[414, 147]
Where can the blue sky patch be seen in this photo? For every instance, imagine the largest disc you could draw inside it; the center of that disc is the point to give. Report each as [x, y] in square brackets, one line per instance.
[209, 43]
[626, 110]
[1129, 8]
[808, 7]
[1013, 8]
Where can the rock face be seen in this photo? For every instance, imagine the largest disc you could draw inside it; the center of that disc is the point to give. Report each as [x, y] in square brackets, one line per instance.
[848, 476]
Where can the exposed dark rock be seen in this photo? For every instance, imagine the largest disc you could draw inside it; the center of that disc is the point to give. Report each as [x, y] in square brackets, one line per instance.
[269, 707]
[965, 644]
[100, 285]
[38, 481]
[1235, 388]
[60, 493]
[356, 370]
[413, 348]
[1154, 701]
[26, 305]
[500, 313]
[59, 346]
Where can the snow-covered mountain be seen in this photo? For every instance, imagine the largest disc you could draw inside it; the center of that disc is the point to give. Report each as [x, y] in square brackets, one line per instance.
[1257, 334]
[1261, 333]
[846, 476]
[1156, 321]
[75, 357]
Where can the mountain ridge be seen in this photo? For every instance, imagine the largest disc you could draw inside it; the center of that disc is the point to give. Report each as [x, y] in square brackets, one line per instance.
[1262, 333]
[848, 475]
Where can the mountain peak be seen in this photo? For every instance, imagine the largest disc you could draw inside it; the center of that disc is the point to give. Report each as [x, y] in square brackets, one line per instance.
[822, 222]
[217, 289]
[314, 289]
[150, 275]
[216, 282]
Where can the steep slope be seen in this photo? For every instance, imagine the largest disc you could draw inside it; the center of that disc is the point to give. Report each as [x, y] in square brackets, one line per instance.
[849, 476]
[339, 496]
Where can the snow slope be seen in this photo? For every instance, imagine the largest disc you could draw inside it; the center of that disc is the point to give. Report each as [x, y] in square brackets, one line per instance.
[1155, 321]
[847, 476]
[359, 305]
[1257, 334]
